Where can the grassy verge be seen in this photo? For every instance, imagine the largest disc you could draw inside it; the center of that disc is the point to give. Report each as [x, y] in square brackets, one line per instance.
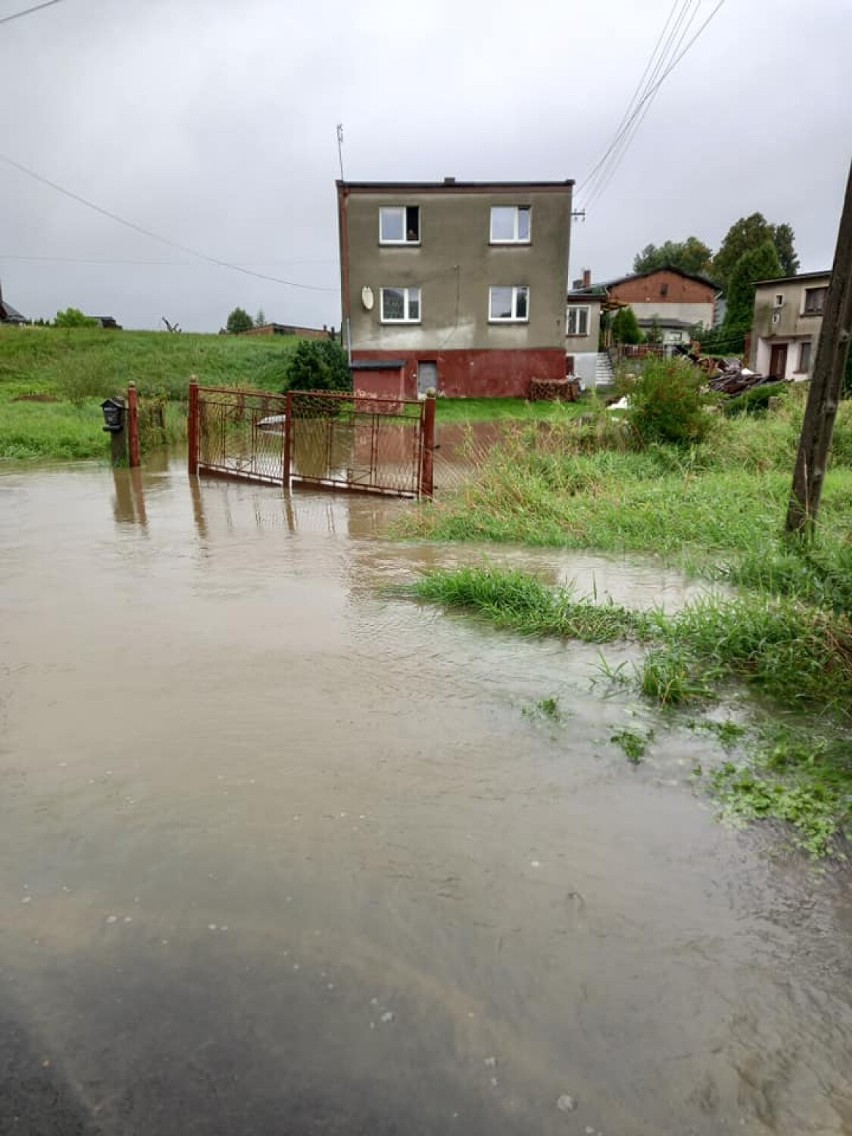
[784, 648]
[516, 410]
[52, 380]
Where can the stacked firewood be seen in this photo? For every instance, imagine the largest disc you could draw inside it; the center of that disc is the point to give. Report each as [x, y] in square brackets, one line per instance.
[554, 390]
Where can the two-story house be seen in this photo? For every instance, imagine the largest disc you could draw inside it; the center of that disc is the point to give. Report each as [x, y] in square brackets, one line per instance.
[456, 286]
[787, 323]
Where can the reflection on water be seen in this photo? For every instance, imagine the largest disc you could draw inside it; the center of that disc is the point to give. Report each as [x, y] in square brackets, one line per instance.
[283, 854]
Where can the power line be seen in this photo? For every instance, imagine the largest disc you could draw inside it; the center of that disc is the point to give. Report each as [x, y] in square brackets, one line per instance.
[661, 55]
[128, 260]
[628, 132]
[155, 236]
[27, 11]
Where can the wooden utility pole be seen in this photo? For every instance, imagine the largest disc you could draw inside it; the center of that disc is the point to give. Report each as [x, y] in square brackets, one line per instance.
[826, 384]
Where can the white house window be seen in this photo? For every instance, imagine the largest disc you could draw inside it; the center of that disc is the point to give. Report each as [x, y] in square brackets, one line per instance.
[399, 225]
[804, 356]
[814, 301]
[509, 305]
[779, 299]
[578, 321]
[400, 305]
[510, 224]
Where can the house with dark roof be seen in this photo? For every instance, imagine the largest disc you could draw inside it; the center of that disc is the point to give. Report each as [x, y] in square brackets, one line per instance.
[8, 314]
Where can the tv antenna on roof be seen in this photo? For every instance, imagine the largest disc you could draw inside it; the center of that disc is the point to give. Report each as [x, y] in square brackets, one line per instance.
[340, 148]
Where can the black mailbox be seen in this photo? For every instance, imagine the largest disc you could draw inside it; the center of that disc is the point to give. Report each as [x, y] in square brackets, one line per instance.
[113, 409]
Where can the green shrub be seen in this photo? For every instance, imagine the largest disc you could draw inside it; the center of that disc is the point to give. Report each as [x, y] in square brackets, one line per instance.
[318, 364]
[666, 403]
[754, 401]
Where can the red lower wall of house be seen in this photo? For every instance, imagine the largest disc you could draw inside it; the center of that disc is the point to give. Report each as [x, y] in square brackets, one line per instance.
[467, 374]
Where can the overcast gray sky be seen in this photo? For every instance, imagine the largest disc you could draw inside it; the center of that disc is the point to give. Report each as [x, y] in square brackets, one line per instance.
[212, 123]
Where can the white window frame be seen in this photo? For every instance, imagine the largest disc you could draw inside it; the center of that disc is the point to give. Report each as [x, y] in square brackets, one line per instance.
[407, 296]
[404, 240]
[515, 240]
[578, 308]
[513, 318]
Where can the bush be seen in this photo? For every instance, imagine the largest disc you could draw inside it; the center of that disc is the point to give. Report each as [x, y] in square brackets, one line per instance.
[625, 327]
[666, 403]
[318, 364]
[73, 317]
[754, 401]
[239, 321]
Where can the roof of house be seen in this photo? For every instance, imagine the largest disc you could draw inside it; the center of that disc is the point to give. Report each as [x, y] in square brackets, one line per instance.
[376, 364]
[450, 184]
[793, 279]
[664, 268]
[664, 321]
[8, 314]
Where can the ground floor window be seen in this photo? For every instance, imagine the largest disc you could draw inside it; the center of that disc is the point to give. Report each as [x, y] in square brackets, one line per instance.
[804, 356]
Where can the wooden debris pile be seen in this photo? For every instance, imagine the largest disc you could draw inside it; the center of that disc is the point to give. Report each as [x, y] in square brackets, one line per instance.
[554, 390]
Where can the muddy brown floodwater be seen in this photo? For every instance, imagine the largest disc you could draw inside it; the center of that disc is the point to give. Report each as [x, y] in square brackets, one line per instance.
[282, 854]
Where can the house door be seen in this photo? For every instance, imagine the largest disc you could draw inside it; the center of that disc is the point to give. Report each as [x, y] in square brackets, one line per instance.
[427, 377]
[778, 361]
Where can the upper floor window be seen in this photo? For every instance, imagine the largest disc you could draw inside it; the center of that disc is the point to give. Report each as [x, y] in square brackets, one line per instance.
[815, 301]
[400, 305]
[779, 299]
[510, 224]
[399, 225]
[577, 322]
[509, 305]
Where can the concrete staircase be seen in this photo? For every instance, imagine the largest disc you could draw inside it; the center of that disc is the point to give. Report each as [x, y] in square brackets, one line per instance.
[603, 371]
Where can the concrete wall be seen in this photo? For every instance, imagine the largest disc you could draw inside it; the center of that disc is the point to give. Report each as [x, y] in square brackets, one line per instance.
[689, 313]
[454, 265]
[788, 318]
[474, 374]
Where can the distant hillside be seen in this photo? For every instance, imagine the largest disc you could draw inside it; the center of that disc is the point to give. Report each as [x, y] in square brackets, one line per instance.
[75, 364]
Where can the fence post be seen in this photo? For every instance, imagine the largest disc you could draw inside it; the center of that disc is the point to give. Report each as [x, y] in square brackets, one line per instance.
[133, 425]
[427, 459]
[192, 427]
[288, 439]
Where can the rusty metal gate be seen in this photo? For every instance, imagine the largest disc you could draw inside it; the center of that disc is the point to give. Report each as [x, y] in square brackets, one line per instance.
[313, 438]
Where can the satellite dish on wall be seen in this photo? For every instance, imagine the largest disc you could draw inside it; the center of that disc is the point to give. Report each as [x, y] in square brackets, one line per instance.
[367, 298]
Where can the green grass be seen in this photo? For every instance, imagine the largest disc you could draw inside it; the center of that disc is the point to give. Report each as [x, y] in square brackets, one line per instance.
[634, 743]
[80, 367]
[508, 410]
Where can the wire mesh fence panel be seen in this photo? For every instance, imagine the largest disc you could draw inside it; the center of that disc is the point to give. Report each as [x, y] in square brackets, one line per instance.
[362, 443]
[241, 434]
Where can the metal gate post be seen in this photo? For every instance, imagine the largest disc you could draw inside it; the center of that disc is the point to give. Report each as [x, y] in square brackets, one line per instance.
[192, 427]
[427, 456]
[288, 438]
[133, 425]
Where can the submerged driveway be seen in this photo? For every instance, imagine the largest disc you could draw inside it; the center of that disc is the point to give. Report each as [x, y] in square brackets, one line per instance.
[280, 853]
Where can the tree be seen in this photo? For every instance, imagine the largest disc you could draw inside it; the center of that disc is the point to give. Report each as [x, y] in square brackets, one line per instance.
[762, 263]
[318, 364]
[238, 321]
[691, 255]
[260, 318]
[748, 234]
[73, 317]
[625, 328]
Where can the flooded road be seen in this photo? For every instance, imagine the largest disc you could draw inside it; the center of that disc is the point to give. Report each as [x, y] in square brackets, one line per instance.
[284, 854]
